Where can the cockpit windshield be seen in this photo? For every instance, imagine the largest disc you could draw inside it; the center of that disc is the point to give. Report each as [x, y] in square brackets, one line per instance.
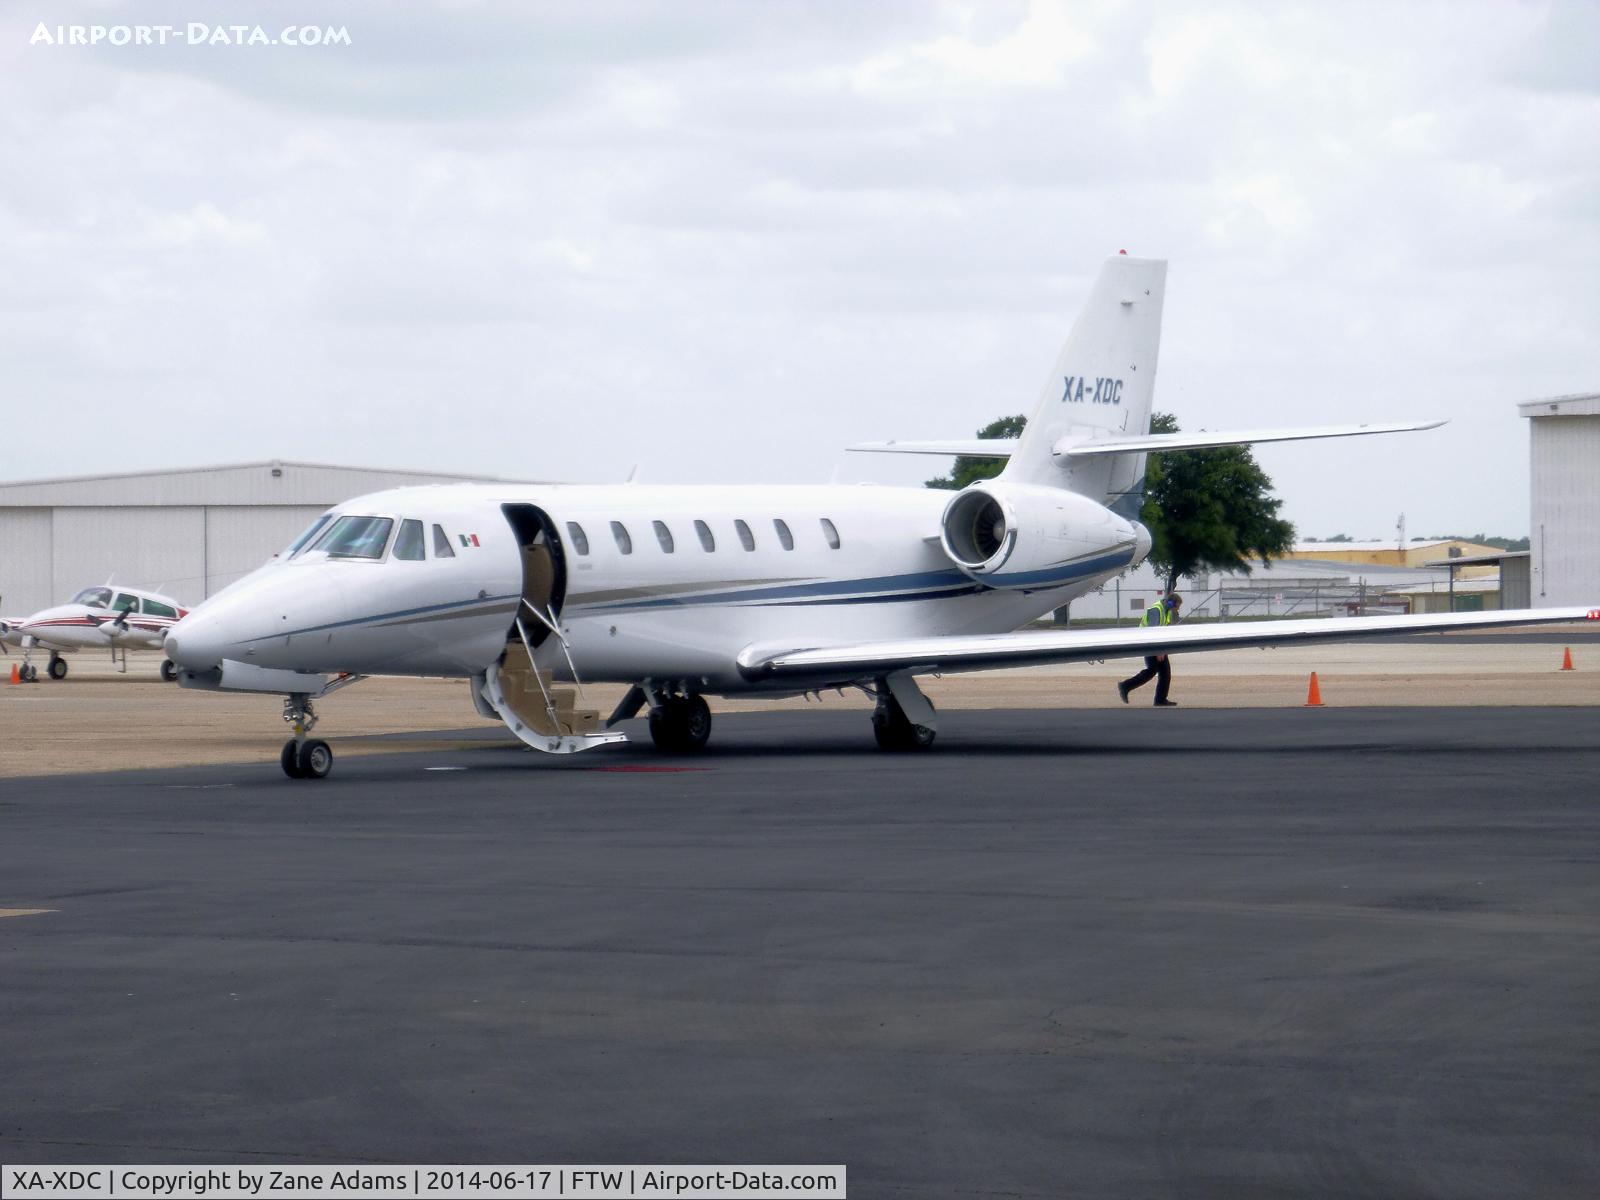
[356, 537]
[304, 539]
[97, 597]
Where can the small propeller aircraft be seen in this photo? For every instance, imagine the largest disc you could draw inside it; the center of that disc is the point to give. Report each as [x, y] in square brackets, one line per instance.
[693, 591]
[104, 617]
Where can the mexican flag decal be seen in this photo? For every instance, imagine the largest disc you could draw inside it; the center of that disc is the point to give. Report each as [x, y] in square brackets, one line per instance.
[468, 539]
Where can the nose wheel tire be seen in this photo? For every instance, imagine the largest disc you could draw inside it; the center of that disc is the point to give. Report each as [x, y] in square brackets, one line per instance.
[681, 725]
[58, 668]
[169, 672]
[311, 759]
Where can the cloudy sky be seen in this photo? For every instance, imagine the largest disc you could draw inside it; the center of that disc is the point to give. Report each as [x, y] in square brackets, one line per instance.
[720, 241]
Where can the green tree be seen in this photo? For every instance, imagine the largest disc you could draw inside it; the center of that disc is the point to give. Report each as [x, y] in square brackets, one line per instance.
[1209, 508]
[970, 470]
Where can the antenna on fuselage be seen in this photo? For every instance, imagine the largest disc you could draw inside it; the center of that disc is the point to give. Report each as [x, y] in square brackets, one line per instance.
[633, 474]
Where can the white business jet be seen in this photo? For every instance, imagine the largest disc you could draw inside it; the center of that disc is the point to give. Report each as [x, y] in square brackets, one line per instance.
[97, 618]
[694, 591]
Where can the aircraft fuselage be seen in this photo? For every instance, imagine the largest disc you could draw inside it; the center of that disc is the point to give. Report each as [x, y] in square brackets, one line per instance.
[662, 582]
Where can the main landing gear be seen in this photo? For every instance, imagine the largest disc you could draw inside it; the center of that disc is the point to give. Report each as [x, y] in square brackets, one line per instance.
[302, 757]
[57, 667]
[903, 718]
[680, 724]
[169, 670]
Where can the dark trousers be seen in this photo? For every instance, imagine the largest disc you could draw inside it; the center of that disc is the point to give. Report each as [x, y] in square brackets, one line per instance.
[1159, 669]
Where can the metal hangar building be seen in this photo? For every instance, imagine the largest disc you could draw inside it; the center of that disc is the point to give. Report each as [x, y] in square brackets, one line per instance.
[187, 533]
[1565, 518]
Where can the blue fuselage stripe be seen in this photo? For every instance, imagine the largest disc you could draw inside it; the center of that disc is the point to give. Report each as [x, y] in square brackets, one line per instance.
[889, 589]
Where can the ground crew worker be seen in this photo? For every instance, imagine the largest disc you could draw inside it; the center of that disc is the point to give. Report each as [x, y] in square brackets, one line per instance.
[1156, 666]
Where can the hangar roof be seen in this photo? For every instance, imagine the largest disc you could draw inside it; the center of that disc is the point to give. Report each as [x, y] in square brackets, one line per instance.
[1366, 547]
[1580, 404]
[1478, 560]
[274, 482]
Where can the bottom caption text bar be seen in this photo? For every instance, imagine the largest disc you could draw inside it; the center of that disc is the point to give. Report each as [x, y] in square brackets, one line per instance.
[489, 1182]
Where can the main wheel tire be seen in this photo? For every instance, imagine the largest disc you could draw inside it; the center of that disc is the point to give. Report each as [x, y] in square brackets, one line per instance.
[58, 668]
[681, 726]
[169, 670]
[289, 760]
[316, 759]
[893, 730]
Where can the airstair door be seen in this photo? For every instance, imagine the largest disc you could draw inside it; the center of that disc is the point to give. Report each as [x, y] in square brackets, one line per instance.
[544, 714]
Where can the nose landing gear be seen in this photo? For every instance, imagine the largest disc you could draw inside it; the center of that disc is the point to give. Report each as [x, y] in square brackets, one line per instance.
[302, 757]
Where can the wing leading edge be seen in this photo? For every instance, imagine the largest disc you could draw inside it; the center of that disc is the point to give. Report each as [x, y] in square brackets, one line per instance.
[992, 651]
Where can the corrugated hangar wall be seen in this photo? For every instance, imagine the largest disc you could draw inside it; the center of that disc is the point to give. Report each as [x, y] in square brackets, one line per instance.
[1564, 445]
[188, 533]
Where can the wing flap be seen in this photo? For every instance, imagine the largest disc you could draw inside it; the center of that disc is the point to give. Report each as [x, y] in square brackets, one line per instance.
[993, 651]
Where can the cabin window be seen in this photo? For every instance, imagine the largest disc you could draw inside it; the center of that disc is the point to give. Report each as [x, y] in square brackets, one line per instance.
[580, 539]
[409, 545]
[355, 537]
[441, 543]
[619, 531]
[707, 542]
[300, 542]
[663, 535]
[157, 609]
[784, 535]
[94, 597]
[125, 603]
[831, 532]
[746, 538]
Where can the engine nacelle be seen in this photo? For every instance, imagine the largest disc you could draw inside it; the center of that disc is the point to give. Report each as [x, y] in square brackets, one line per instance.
[1014, 535]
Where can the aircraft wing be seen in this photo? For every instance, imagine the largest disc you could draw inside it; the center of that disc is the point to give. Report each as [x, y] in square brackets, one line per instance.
[981, 652]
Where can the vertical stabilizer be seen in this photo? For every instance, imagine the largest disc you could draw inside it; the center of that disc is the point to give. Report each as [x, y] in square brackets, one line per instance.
[1102, 385]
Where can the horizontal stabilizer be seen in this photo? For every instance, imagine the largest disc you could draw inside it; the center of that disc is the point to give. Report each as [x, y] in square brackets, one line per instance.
[1154, 443]
[970, 447]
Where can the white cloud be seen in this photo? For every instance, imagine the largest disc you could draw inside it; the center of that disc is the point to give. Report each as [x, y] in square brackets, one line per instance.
[560, 240]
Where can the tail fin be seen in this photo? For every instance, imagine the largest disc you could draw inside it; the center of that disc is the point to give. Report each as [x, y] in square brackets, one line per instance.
[1102, 386]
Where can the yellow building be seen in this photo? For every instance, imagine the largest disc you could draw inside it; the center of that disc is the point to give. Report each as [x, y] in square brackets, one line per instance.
[1394, 554]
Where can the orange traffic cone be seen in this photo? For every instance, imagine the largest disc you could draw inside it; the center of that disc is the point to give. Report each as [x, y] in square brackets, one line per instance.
[16, 674]
[1314, 696]
[1566, 660]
